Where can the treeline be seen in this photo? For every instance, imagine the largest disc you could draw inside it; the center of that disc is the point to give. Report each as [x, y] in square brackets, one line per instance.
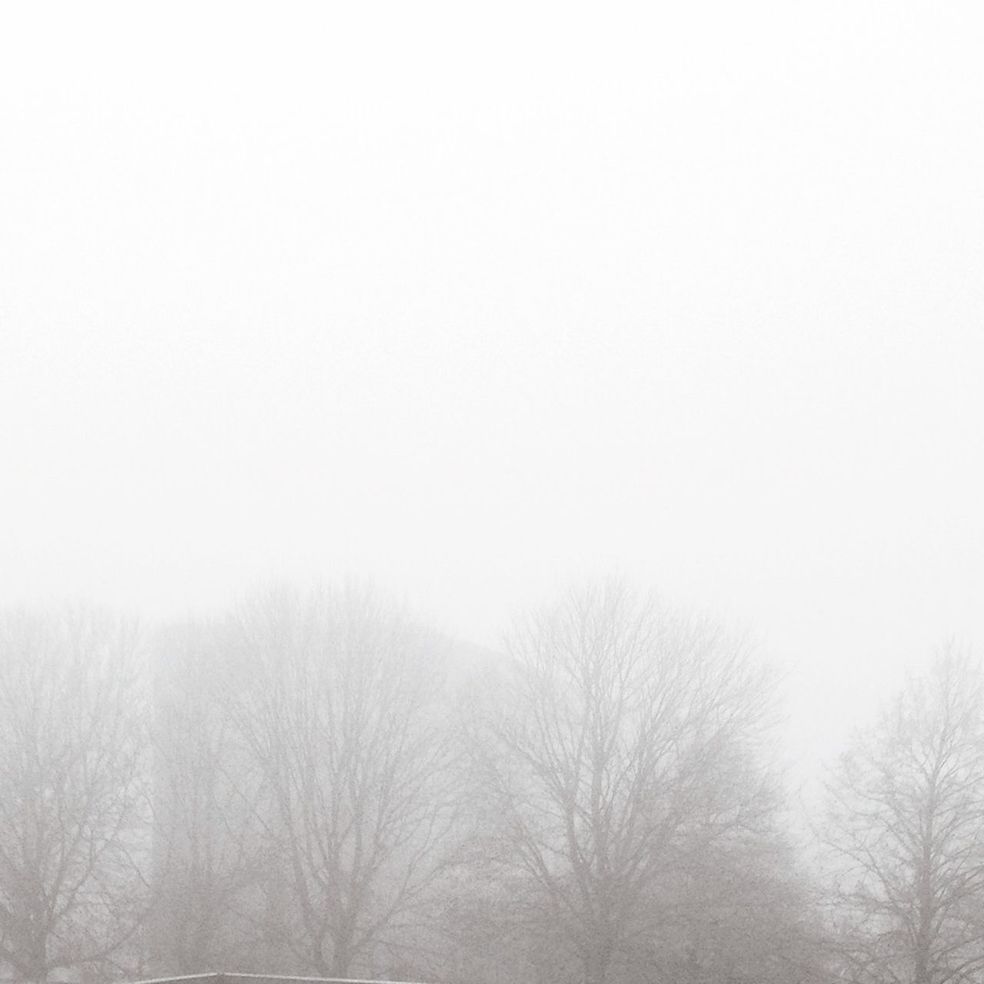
[316, 783]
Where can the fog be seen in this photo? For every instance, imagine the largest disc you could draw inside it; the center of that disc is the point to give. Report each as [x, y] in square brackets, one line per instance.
[484, 303]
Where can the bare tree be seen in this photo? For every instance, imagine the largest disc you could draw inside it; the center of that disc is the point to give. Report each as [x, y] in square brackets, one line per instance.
[343, 712]
[907, 828]
[739, 909]
[209, 851]
[73, 816]
[623, 738]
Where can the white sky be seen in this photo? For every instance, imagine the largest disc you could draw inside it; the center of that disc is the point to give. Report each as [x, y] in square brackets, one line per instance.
[478, 303]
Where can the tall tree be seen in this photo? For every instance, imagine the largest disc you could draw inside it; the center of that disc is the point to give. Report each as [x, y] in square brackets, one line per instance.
[209, 856]
[614, 749]
[907, 828]
[344, 714]
[73, 806]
